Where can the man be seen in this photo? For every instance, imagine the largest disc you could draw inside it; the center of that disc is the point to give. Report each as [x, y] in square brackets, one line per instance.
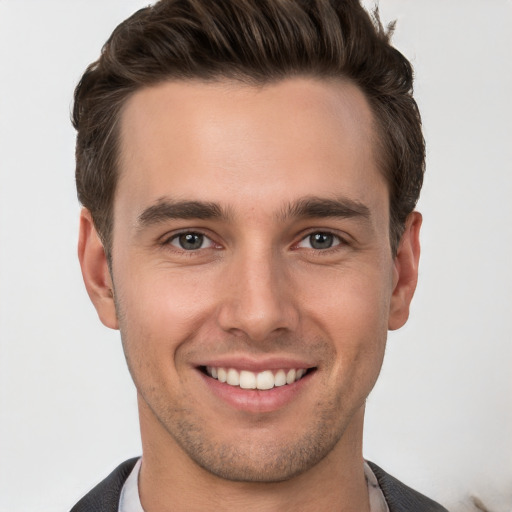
[249, 171]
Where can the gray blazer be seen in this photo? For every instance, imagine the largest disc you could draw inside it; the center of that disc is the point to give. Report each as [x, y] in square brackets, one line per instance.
[400, 498]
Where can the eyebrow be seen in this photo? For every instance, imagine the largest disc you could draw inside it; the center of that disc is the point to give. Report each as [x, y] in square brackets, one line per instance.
[306, 207]
[319, 207]
[167, 209]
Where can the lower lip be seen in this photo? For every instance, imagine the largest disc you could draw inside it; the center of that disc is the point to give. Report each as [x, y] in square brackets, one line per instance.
[255, 400]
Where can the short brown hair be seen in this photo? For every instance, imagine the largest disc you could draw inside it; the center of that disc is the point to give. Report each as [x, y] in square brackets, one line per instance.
[255, 41]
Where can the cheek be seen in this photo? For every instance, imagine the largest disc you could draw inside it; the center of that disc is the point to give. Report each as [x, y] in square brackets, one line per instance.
[353, 302]
[164, 300]
[351, 309]
[162, 311]
[158, 311]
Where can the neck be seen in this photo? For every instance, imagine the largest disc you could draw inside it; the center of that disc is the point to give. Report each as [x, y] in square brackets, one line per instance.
[170, 481]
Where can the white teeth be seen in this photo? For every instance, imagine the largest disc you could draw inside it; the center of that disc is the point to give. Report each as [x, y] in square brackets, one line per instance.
[249, 380]
[221, 375]
[265, 380]
[290, 376]
[233, 378]
[280, 378]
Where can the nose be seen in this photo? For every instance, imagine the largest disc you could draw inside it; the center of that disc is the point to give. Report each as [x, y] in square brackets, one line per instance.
[258, 297]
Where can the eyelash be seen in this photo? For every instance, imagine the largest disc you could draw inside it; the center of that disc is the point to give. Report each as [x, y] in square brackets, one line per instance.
[169, 241]
[337, 242]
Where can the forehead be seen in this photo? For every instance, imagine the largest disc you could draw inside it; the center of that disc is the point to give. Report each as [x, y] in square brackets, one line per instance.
[238, 144]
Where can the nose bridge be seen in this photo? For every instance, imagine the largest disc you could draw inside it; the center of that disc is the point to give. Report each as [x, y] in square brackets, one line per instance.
[258, 300]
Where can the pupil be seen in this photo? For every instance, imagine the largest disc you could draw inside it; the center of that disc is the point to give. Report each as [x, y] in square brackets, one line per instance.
[191, 241]
[321, 240]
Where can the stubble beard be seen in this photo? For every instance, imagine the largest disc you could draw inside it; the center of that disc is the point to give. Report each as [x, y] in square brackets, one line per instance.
[276, 459]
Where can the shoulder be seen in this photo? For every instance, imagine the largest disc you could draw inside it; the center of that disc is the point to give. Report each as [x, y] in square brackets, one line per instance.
[400, 497]
[105, 496]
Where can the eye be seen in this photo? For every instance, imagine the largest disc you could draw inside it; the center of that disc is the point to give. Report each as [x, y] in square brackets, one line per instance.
[191, 241]
[320, 240]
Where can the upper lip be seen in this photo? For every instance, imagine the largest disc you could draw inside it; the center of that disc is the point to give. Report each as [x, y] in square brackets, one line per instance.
[256, 365]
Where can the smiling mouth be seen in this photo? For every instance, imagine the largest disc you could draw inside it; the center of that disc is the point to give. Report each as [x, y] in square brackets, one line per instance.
[264, 380]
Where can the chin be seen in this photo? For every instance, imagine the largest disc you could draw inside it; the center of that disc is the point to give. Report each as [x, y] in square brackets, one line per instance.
[265, 456]
[269, 465]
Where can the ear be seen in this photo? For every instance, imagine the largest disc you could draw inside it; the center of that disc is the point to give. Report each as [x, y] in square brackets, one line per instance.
[95, 271]
[405, 272]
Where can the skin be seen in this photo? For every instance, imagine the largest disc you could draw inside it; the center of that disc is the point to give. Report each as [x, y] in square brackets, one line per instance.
[256, 289]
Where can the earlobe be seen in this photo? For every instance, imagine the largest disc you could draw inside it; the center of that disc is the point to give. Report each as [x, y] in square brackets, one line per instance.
[95, 271]
[405, 272]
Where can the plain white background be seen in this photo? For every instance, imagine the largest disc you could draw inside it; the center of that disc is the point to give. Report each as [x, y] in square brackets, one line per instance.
[440, 418]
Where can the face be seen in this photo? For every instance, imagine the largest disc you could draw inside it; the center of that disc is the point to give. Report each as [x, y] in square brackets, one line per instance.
[251, 271]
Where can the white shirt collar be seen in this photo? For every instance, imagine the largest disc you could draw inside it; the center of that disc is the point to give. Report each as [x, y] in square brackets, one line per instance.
[130, 499]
